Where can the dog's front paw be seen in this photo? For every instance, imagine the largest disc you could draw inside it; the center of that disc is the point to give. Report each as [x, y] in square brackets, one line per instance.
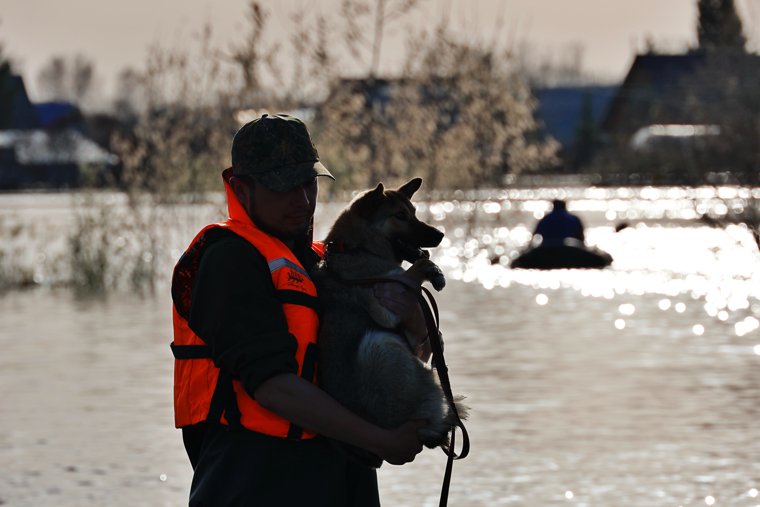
[438, 281]
[427, 270]
[435, 275]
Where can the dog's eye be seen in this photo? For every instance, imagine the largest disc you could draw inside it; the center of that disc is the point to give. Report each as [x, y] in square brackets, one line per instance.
[400, 215]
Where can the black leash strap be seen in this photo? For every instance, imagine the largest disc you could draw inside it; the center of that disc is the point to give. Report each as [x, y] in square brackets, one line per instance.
[430, 310]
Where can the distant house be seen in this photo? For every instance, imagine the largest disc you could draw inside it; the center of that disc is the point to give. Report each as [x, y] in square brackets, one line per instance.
[652, 93]
[662, 92]
[37, 158]
[42, 145]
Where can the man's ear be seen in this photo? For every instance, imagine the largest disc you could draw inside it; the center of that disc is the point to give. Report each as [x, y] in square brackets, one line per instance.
[241, 189]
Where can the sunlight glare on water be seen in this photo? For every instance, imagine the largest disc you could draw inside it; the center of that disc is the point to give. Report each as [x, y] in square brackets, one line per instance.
[653, 255]
[703, 281]
[633, 385]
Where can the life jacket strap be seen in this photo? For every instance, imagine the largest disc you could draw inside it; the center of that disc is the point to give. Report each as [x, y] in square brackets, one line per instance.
[190, 351]
[295, 297]
[224, 402]
[295, 432]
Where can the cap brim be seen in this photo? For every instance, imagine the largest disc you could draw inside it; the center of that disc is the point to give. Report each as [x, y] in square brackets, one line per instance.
[286, 178]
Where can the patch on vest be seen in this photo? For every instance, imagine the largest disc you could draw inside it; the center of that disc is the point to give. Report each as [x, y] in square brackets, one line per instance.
[295, 279]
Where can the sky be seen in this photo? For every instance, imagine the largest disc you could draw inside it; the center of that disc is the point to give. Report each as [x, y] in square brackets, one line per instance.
[115, 35]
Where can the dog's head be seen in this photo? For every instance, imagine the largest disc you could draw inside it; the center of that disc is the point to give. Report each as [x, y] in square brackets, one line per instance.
[388, 215]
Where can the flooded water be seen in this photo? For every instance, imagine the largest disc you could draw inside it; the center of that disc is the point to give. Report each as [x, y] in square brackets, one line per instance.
[636, 385]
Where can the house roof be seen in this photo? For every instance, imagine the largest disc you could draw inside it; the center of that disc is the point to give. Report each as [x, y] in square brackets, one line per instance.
[53, 114]
[559, 108]
[651, 77]
[39, 147]
[659, 82]
[23, 115]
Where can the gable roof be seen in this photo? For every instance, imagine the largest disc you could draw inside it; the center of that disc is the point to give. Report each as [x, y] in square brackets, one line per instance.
[657, 86]
[21, 112]
[56, 114]
[650, 78]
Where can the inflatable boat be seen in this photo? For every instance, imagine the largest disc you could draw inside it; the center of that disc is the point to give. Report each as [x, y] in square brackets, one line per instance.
[571, 254]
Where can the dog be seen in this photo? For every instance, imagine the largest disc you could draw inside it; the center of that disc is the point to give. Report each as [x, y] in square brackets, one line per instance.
[364, 361]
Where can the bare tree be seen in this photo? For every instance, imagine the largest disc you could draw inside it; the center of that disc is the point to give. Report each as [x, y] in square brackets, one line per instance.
[314, 61]
[127, 98]
[67, 79]
[82, 73]
[253, 55]
[52, 79]
[358, 14]
[719, 25]
[460, 118]
[561, 68]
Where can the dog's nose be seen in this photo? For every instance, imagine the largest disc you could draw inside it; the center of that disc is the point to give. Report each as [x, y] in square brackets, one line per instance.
[436, 237]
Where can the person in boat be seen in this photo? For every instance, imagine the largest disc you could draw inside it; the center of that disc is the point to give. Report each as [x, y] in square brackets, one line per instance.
[558, 225]
[254, 420]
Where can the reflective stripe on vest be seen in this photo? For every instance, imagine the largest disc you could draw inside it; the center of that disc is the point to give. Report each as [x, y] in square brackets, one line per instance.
[285, 263]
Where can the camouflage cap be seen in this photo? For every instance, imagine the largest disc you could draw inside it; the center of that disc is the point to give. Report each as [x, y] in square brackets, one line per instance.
[276, 151]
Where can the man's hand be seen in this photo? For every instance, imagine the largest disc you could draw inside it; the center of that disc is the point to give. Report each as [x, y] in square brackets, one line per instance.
[401, 444]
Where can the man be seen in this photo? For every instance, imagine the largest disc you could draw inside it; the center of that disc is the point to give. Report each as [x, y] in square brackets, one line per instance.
[245, 323]
[558, 225]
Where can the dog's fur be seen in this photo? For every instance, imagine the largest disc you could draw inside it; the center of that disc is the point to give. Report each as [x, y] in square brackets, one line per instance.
[365, 362]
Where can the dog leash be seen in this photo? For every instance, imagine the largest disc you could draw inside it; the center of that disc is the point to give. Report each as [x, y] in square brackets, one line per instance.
[432, 319]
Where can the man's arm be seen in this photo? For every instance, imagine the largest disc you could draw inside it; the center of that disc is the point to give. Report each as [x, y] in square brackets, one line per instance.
[304, 404]
[234, 310]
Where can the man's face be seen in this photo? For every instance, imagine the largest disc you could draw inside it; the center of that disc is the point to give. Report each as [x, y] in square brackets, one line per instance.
[286, 215]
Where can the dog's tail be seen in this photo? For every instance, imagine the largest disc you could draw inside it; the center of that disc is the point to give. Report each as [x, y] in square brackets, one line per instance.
[462, 409]
[452, 420]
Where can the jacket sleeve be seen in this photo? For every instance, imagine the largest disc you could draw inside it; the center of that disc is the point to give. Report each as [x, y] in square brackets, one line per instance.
[235, 311]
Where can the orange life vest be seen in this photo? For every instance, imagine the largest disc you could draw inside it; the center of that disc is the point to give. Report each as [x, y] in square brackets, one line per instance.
[201, 390]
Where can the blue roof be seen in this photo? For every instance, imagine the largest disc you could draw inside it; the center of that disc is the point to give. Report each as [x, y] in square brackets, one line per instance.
[51, 112]
[559, 108]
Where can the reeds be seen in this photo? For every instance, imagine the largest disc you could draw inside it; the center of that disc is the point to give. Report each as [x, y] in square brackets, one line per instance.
[460, 117]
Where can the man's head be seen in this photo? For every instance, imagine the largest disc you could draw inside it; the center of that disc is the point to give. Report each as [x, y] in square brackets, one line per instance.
[559, 205]
[276, 151]
[274, 171]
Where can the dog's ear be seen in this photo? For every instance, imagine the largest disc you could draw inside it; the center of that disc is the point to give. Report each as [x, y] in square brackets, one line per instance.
[367, 203]
[408, 189]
